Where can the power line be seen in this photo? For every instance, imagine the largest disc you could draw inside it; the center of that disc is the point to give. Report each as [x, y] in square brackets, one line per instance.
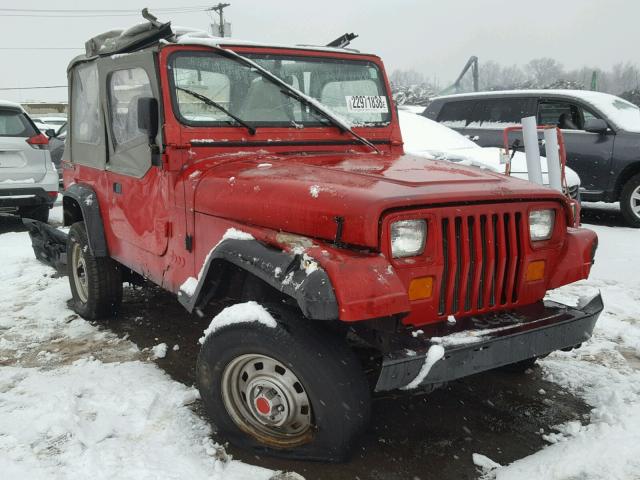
[32, 88]
[77, 10]
[98, 15]
[41, 48]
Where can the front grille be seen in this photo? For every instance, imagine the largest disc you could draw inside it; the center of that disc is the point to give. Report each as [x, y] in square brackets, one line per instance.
[482, 256]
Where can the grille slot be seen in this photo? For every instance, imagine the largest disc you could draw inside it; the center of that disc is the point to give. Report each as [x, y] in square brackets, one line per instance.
[482, 262]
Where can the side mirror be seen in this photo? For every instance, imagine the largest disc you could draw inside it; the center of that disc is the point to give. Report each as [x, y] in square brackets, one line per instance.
[148, 117]
[596, 125]
[50, 132]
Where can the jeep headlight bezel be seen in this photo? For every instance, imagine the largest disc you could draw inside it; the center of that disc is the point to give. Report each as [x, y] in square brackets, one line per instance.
[541, 224]
[408, 238]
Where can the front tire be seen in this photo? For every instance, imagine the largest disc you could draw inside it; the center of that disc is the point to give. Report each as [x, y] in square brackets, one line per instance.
[96, 283]
[293, 391]
[630, 202]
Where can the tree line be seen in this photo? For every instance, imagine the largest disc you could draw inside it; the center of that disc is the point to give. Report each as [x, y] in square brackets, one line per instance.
[623, 79]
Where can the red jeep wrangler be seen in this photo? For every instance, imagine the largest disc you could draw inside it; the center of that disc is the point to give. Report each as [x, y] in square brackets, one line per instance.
[275, 176]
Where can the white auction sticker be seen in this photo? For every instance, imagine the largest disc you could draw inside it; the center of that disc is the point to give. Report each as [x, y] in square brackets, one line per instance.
[367, 103]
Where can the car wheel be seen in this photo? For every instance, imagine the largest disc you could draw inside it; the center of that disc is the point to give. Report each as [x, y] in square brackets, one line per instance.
[294, 391]
[630, 202]
[96, 283]
[39, 213]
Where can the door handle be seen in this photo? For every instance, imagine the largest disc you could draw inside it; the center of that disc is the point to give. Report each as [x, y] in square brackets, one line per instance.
[117, 187]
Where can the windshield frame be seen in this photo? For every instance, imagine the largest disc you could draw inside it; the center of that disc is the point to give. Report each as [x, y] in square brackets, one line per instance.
[255, 55]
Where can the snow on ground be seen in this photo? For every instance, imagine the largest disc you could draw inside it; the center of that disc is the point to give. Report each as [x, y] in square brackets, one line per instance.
[605, 372]
[80, 402]
[77, 402]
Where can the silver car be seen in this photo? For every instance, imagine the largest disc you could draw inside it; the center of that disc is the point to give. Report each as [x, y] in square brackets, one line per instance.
[28, 178]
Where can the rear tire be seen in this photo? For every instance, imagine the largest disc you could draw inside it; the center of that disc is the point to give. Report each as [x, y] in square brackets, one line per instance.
[96, 283]
[630, 202]
[313, 382]
[39, 213]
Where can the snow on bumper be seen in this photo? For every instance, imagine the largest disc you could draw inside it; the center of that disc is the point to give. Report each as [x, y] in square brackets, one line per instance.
[481, 343]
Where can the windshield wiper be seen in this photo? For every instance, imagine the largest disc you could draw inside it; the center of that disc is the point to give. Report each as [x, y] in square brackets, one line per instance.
[298, 95]
[213, 103]
[293, 93]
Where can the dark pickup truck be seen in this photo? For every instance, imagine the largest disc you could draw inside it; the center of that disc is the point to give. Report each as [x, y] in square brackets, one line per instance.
[601, 132]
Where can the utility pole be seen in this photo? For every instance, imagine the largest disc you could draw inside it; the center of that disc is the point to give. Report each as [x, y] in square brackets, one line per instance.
[219, 9]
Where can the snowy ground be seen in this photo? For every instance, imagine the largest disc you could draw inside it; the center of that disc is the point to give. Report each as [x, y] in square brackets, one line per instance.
[80, 402]
[605, 372]
[77, 401]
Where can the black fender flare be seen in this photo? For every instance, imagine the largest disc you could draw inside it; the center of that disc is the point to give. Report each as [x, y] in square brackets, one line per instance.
[284, 271]
[87, 200]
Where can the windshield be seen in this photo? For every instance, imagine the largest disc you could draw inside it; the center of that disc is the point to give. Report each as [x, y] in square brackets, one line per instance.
[353, 90]
[624, 114]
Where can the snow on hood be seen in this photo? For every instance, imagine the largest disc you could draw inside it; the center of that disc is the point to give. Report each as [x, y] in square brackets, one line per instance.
[427, 138]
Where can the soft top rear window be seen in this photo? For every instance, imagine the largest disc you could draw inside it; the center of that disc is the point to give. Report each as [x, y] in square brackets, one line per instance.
[14, 123]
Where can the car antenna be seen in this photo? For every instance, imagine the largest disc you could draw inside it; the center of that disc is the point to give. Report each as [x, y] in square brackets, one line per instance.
[342, 41]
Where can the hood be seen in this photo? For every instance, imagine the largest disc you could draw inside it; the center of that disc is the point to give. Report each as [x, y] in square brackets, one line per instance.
[304, 194]
[489, 158]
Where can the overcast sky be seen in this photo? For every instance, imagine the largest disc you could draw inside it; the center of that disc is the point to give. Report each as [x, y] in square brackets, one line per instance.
[435, 37]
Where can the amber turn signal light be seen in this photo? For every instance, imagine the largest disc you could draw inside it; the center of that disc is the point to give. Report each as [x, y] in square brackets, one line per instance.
[421, 288]
[535, 271]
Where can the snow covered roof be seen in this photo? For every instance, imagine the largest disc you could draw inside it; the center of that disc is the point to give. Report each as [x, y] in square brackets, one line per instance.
[153, 35]
[7, 103]
[623, 114]
[583, 94]
[200, 37]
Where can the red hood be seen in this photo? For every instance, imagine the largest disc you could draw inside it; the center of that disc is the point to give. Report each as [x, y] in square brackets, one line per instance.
[303, 194]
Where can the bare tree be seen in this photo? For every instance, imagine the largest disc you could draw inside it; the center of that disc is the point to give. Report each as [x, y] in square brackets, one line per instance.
[490, 73]
[544, 71]
[404, 78]
[624, 77]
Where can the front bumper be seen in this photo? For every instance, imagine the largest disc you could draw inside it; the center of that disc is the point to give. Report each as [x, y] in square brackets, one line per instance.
[489, 341]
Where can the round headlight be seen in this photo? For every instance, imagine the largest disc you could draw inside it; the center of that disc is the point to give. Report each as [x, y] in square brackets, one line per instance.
[408, 238]
[541, 224]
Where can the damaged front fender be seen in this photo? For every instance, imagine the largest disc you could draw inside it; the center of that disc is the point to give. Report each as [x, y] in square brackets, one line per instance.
[285, 271]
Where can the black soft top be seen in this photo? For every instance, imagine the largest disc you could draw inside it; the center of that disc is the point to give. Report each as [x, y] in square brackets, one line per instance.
[116, 42]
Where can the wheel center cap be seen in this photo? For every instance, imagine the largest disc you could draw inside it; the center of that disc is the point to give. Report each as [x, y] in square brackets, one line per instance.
[263, 406]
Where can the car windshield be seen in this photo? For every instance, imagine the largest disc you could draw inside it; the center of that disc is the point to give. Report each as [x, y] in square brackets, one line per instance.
[353, 90]
[624, 114]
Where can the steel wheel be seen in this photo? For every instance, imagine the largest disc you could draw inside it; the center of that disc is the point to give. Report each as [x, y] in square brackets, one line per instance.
[265, 399]
[80, 272]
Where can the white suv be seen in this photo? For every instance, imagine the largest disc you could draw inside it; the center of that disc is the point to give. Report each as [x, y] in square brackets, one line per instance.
[28, 179]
